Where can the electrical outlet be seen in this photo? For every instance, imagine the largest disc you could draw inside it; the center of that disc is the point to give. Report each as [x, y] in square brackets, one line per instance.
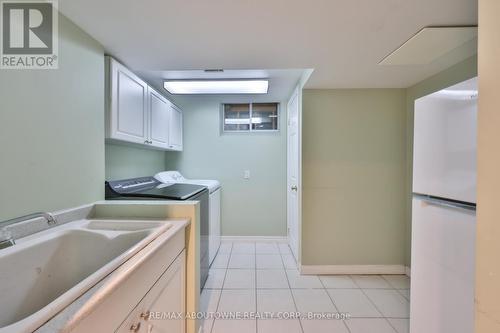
[246, 174]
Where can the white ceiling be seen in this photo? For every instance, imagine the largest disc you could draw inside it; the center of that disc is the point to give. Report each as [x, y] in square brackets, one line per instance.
[281, 81]
[343, 40]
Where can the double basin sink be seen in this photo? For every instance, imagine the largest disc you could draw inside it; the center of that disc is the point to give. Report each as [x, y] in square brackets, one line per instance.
[45, 272]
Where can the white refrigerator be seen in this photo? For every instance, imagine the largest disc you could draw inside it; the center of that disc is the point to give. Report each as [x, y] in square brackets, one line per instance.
[443, 211]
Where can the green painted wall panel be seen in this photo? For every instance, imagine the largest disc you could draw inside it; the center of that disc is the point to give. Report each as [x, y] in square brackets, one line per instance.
[52, 129]
[123, 161]
[354, 177]
[254, 207]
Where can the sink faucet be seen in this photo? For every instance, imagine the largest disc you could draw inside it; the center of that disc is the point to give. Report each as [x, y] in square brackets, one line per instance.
[6, 238]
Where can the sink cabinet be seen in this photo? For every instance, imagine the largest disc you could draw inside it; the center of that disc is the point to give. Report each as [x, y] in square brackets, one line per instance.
[137, 113]
[165, 298]
[156, 285]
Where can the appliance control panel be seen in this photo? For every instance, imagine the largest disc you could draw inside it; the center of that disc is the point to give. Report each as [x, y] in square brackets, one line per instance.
[133, 185]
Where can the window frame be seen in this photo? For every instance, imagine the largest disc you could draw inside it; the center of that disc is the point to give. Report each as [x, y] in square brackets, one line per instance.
[250, 109]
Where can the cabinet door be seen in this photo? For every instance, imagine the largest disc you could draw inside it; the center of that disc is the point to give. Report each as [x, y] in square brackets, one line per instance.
[175, 133]
[159, 119]
[157, 312]
[127, 105]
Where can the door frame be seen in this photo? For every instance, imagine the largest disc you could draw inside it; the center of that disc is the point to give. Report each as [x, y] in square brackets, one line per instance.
[297, 92]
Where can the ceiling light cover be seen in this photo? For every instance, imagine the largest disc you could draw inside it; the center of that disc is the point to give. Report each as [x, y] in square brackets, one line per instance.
[216, 86]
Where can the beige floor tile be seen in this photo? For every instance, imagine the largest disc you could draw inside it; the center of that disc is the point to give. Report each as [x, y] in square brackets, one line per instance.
[369, 325]
[220, 261]
[266, 248]
[324, 326]
[289, 261]
[225, 248]
[279, 326]
[390, 302]
[298, 281]
[405, 293]
[337, 281]
[275, 300]
[271, 279]
[284, 248]
[269, 261]
[313, 300]
[398, 281]
[371, 281]
[206, 325]
[209, 300]
[237, 300]
[354, 302]
[234, 326]
[401, 325]
[242, 261]
[243, 248]
[239, 279]
[215, 278]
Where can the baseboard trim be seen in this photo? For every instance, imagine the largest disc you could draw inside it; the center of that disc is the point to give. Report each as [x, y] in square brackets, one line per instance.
[351, 269]
[278, 239]
[408, 271]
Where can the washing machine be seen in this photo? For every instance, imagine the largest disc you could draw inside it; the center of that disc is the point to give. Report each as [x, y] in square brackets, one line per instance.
[214, 220]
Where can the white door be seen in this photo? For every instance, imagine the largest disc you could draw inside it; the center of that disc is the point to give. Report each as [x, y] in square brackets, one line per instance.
[175, 133]
[293, 174]
[128, 105]
[159, 119]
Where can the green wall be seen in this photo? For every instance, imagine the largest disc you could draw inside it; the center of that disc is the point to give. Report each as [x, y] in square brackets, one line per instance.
[354, 177]
[357, 171]
[52, 129]
[254, 207]
[462, 71]
[123, 161]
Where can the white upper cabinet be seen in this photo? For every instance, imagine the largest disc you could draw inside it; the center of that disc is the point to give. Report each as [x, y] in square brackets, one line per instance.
[175, 132]
[159, 120]
[127, 117]
[136, 113]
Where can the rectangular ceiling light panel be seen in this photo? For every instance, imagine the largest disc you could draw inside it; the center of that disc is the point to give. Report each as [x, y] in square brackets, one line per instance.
[216, 86]
[429, 44]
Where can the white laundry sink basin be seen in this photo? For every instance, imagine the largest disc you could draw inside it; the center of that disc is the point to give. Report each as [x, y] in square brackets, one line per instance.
[45, 272]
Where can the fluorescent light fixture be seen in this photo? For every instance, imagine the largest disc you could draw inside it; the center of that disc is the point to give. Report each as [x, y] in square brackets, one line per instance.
[216, 86]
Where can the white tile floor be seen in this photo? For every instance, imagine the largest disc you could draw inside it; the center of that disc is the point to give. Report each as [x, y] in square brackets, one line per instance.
[263, 278]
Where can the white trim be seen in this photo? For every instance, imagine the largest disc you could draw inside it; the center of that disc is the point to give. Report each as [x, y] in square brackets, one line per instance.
[408, 271]
[352, 269]
[278, 239]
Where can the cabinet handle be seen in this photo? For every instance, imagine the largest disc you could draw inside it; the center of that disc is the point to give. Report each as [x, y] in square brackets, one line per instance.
[294, 188]
[146, 142]
[150, 142]
[145, 315]
[135, 327]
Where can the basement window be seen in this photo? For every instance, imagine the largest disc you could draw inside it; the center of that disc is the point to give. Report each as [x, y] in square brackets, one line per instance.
[250, 117]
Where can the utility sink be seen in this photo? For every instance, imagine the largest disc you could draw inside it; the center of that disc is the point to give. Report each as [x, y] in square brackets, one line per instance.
[45, 272]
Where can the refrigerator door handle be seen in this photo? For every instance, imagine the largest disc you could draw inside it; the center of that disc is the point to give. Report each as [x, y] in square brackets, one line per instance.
[437, 201]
